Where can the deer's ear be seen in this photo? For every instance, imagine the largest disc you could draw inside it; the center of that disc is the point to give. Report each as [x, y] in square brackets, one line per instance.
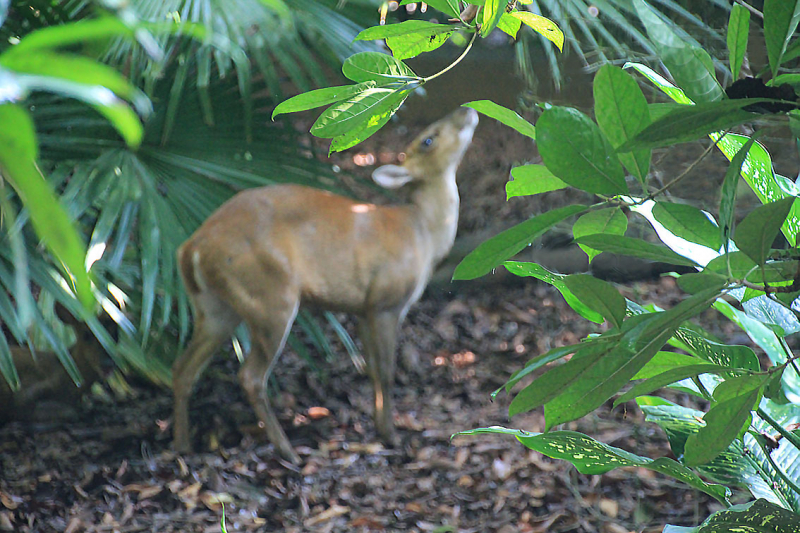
[391, 176]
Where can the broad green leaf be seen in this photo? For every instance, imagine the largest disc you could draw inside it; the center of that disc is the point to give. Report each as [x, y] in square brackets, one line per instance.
[693, 283]
[621, 111]
[668, 377]
[780, 22]
[80, 32]
[556, 280]
[491, 13]
[728, 417]
[374, 66]
[373, 123]
[543, 26]
[755, 234]
[558, 379]
[698, 344]
[659, 81]
[738, 28]
[532, 179]
[408, 46]
[450, 7]
[358, 112]
[510, 242]
[727, 201]
[536, 363]
[409, 38]
[635, 247]
[510, 25]
[600, 296]
[664, 361]
[689, 223]
[757, 171]
[735, 466]
[673, 318]
[503, 114]
[408, 27]
[609, 221]
[688, 123]
[575, 150]
[760, 516]
[320, 97]
[690, 66]
[18, 153]
[77, 69]
[605, 375]
[592, 457]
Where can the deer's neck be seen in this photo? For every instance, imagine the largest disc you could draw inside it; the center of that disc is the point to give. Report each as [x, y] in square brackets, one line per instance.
[437, 202]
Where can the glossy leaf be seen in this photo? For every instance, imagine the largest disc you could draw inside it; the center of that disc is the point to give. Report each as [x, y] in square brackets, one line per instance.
[509, 25]
[688, 222]
[634, 247]
[407, 27]
[727, 202]
[690, 66]
[82, 31]
[606, 374]
[558, 281]
[320, 97]
[410, 38]
[536, 363]
[621, 111]
[759, 174]
[503, 114]
[510, 242]
[610, 221]
[574, 150]
[592, 457]
[18, 154]
[559, 378]
[726, 420]
[760, 516]
[532, 179]
[372, 123]
[374, 66]
[780, 22]
[755, 234]
[687, 123]
[355, 112]
[543, 26]
[738, 28]
[490, 15]
[659, 81]
[598, 295]
[449, 7]
[664, 361]
[668, 377]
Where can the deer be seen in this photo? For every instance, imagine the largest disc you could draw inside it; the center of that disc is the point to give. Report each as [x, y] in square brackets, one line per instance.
[44, 383]
[269, 250]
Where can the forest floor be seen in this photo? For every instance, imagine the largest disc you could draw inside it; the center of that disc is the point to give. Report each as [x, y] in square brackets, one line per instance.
[111, 469]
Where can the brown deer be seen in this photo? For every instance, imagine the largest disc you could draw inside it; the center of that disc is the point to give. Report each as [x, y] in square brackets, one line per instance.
[269, 250]
[46, 391]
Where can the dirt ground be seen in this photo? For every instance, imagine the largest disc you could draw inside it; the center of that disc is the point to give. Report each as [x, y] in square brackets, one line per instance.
[112, 470]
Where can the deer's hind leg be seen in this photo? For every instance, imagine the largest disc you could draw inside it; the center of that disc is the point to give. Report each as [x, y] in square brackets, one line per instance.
[269, 317]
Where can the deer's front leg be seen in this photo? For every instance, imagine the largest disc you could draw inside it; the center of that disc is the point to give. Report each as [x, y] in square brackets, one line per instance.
[379, 335]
